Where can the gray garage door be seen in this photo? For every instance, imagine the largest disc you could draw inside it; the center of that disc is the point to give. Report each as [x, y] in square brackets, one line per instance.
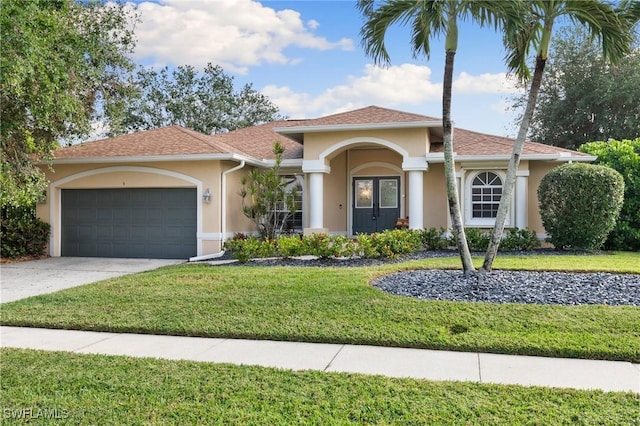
[152, 223]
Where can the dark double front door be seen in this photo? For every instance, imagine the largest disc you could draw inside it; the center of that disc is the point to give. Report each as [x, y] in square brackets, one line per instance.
[376, 204]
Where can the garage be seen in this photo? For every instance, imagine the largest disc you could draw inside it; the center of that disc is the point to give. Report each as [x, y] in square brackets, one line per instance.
[150, 223]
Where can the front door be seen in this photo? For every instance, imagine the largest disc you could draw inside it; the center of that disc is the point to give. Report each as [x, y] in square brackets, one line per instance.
[376, 204]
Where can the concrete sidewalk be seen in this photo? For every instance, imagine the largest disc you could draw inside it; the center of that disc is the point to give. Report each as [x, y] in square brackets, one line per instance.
[392, 362]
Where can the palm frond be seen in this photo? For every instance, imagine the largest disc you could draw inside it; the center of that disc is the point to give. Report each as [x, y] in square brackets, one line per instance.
[425, 17]
[611, 26]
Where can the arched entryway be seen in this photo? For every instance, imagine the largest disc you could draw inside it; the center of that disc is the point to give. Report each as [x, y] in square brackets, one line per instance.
[374, 186]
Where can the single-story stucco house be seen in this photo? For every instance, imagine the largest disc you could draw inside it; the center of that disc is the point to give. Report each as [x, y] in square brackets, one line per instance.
[174, 193]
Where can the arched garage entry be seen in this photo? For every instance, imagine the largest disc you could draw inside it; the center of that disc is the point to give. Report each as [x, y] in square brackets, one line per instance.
[154, 223]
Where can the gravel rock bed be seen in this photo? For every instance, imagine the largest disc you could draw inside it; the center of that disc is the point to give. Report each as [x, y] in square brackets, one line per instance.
[516, 287]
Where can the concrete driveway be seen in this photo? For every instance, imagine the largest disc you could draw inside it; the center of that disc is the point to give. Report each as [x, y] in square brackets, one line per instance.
[25, 279]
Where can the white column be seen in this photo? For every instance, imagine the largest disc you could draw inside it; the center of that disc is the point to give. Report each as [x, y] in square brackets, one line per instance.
[416, 202]
[521, 200]
[316, 195]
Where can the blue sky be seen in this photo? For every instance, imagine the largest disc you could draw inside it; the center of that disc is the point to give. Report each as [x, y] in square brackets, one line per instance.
[306, 56]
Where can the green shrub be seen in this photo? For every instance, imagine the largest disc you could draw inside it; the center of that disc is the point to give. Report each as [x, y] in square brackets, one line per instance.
[478, 240]
[434, 239]
[579, 204]
[390, 243]
[623, 156]
[320, 245]
[520, 240]
[365, 247]
[22, 233]
[399, 241]
[291, 245]
[246, 248]
[343, 246]
[515, 240]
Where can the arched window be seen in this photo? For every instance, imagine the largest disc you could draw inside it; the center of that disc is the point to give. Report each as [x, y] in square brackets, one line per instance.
[486, 191]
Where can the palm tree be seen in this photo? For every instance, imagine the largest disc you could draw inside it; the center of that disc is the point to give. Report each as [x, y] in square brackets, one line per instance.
[611, 25]
[429, 18]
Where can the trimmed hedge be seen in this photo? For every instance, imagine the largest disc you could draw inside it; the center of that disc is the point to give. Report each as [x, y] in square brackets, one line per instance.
[579, 205]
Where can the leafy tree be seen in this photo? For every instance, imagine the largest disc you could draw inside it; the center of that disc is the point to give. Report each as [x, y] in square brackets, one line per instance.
[613, 26]
[583, 97]
[431, 18]
[205, 102]
[624, 157]
[22, 233]
[266, 198]
[63, 65]
[579, 205]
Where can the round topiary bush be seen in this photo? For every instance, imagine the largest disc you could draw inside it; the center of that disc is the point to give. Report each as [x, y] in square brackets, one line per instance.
[579, 205]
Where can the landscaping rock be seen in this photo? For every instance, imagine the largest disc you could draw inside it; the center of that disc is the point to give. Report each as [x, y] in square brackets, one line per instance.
[516, 287]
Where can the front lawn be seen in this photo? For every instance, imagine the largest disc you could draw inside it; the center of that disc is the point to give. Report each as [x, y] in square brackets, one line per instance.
[337, 305]
[64, 388]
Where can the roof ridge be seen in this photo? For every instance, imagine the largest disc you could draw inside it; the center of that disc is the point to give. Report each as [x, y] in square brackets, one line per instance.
[388, 110]
[193, 133]
[208, 140]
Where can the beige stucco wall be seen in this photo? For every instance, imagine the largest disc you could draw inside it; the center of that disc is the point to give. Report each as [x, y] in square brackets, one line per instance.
[435, 197]
[335, 192]
[236, 221]
[414, 141]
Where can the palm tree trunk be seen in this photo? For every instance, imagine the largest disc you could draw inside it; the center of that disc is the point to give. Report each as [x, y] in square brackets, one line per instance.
[449, 167]
[507, 191]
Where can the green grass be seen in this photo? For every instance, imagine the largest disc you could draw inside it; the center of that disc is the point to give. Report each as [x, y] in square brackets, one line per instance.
[337, 305]
[95, 389]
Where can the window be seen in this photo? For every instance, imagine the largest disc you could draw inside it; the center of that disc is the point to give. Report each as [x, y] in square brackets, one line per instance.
[481, 194]
[293, 222]
[389, 193]
[486, 191]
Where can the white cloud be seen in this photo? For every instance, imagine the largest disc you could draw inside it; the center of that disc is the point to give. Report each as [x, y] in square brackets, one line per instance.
[393, 86]
[235, 34]
[466, 83]
[404, 86]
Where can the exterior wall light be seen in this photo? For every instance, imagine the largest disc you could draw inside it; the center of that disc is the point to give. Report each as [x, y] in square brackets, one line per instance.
[206, 197]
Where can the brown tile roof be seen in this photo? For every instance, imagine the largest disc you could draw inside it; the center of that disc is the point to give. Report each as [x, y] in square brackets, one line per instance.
[257, 141]
[172, 140]
[368, 115]
[467, 142]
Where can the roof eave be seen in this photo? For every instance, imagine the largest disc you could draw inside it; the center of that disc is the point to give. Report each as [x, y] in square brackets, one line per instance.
[290, 163]
[157, 158]
[560, 157]
[346, 127]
